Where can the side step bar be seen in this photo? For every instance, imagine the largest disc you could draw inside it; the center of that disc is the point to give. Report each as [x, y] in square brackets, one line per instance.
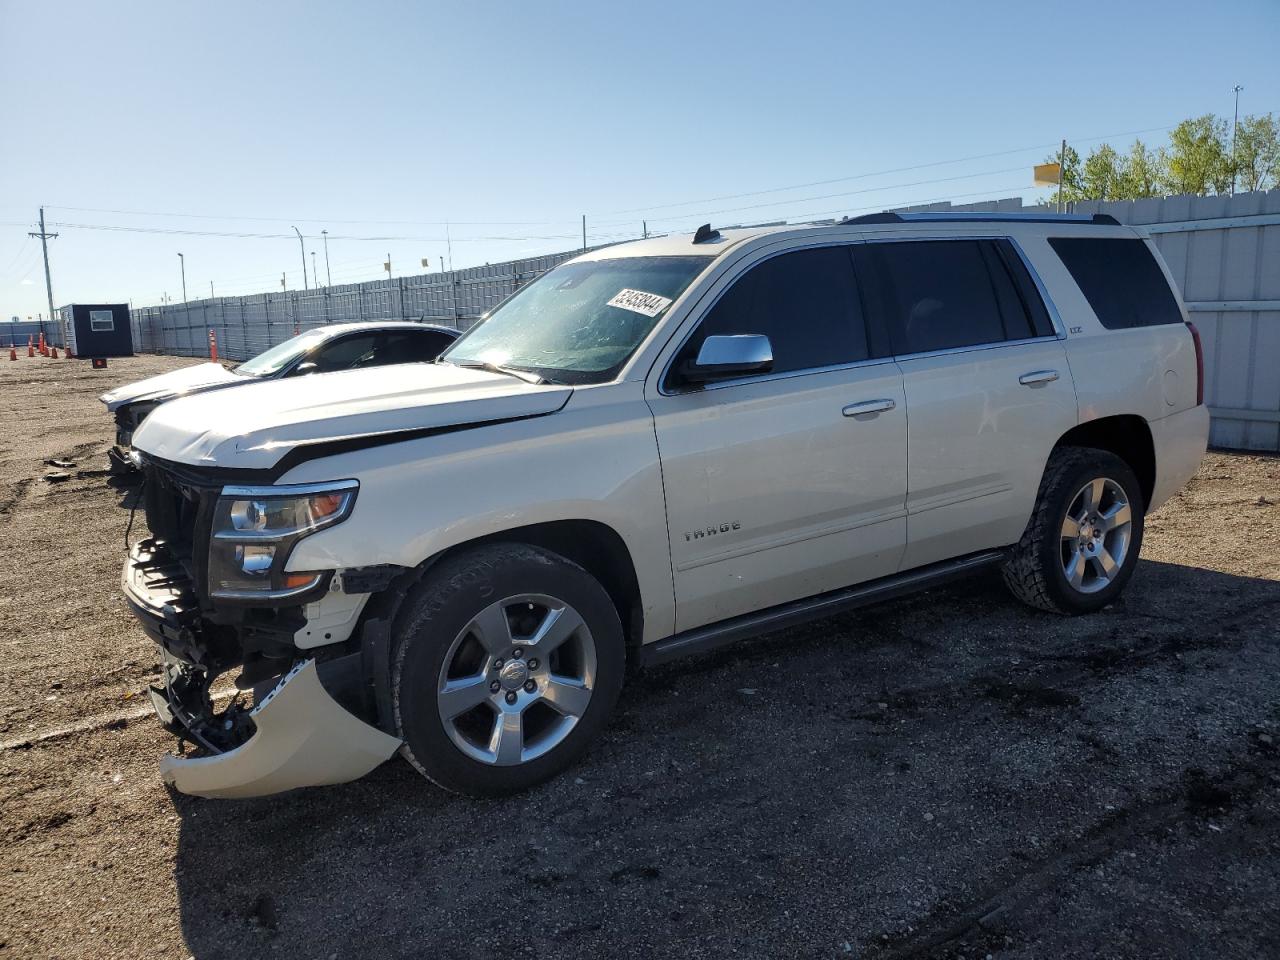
[791, 614]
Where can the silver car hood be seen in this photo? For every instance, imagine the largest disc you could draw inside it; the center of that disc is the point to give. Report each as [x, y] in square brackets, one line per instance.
[175, 383]
[253, 427]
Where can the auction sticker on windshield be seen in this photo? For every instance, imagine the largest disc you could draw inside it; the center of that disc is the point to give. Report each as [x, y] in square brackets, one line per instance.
[637, 301]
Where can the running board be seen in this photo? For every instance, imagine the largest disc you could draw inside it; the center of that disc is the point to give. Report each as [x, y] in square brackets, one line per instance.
[791, 614]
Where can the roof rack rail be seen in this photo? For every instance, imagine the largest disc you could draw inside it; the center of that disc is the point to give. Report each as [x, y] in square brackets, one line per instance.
[1102, 219]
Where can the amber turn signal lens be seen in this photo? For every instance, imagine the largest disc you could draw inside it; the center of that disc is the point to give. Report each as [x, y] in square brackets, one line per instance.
[326, 504]
[294, 580]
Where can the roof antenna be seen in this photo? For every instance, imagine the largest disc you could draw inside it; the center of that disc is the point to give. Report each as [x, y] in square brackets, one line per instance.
[705, 234]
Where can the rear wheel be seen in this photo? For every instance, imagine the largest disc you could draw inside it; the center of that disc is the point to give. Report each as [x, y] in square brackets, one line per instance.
[1082, 543]
[508, 662]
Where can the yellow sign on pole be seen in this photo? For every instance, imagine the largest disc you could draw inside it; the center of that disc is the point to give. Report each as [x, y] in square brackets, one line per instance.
[1047, 174]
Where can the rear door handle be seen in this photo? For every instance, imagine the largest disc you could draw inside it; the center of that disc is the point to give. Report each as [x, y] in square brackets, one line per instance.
[868, 406]
[1038, 376]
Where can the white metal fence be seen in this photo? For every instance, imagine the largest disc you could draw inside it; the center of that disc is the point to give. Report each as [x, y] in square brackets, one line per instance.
[1224, 252]
[245, 326]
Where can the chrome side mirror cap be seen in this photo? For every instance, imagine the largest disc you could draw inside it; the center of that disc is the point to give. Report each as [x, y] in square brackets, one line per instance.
[730, 355]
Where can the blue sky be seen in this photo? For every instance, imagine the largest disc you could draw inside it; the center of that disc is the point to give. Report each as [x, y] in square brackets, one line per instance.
[509, 121]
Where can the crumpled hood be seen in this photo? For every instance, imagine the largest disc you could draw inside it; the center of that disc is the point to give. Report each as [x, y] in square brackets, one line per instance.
[175, 383]
[255, 426]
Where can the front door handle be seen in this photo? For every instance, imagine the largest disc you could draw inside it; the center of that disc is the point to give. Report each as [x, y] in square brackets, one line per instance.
[868, 406]
[1038, 376]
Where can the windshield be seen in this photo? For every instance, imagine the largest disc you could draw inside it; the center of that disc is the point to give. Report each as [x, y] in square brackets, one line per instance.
[580, 322]
[281, 355]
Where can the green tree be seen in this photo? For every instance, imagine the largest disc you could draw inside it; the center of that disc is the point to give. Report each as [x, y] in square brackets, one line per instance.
[1257, 153]
[1142, 172]
[1198, 159]
[1100, 176]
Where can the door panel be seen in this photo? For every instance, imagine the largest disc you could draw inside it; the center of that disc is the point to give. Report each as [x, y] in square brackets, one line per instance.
[774, 493]
[979, 440]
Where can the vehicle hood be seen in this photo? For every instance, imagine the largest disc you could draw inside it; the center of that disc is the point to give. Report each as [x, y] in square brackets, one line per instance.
[255, 426]
[175, 383]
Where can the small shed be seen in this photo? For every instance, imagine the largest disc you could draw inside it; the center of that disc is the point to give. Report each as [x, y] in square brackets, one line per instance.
[98, 329]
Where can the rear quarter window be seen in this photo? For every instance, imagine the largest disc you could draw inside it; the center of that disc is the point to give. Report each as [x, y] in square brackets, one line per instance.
[1121, 280]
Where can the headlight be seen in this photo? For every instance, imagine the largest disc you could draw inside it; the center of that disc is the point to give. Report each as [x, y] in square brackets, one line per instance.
[255, 529]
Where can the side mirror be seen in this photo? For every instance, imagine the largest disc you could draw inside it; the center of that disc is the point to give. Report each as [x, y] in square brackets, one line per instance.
[730, 355]
[302, 369]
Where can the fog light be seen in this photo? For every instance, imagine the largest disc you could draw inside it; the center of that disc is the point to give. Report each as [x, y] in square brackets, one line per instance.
[255, 559]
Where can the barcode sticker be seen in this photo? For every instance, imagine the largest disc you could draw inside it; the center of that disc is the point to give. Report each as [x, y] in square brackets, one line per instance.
[637, 301]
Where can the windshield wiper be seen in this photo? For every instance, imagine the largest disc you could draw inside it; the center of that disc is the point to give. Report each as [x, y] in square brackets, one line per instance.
[526, 375]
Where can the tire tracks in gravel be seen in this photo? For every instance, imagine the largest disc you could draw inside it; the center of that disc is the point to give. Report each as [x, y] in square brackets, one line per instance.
[1237, 785]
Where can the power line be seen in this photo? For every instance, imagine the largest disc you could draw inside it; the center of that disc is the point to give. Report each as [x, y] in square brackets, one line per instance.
[881, 173]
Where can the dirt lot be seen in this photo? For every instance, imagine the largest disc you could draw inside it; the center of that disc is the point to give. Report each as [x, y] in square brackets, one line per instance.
[950, 775]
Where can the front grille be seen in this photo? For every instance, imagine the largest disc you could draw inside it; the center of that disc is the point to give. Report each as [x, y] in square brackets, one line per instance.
[179, 510]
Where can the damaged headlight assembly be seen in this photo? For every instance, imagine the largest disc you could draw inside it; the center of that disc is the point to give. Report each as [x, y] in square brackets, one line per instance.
[255, 530]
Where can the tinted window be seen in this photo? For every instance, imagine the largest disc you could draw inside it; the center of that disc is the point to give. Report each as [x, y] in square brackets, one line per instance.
[1121, 280]
[410, 346]
[805, 302]
[345, 353]
[1028, 293]
[942, 294]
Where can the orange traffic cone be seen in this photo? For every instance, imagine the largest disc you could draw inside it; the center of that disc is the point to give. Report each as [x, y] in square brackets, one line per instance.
[31, 350]
[54, 352]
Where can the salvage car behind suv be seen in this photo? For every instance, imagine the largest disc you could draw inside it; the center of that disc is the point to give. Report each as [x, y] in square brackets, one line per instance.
[653, 449]
[325, 349]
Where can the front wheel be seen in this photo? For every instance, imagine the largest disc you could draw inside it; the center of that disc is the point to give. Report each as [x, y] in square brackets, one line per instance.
[1082, 543]
[508, 662]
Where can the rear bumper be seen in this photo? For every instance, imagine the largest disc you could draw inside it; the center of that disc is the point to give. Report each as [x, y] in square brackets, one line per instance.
[1180, 441]
[297, 736]
[303, 738]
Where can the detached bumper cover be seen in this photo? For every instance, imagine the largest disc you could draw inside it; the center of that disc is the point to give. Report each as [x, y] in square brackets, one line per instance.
[299, 735]
[303, 739]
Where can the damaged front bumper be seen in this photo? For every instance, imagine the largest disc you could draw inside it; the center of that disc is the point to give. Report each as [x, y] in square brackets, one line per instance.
[302, 738]
[298, 734]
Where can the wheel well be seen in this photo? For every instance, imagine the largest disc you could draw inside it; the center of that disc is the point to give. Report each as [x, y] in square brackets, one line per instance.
[1128, 437]
[595, 547]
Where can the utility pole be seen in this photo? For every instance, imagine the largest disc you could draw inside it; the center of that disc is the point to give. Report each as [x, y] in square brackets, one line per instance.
[282, 286]
[584, 233]
[1235, 122]
[328, 274]
[442, 264]
[45, 237]
[388, 265]
[302, 247]
[645, 226]
[448, 239]
[183, 260]
[211, 296]
[314, 276]
[1062, 172]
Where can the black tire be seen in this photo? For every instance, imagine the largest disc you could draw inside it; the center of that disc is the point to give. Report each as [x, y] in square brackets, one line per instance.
[441, 607]
[1034, 572]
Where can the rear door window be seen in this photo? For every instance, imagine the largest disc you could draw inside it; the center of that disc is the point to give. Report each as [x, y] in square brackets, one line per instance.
[1121, 280]
[805, 302]
[949, 294]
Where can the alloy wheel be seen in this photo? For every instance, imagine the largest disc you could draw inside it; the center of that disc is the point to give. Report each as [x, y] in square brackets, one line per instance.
[517, 679]
[1096, 533]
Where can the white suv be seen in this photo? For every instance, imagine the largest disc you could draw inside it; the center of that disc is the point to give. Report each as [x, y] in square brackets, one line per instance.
[653, 449]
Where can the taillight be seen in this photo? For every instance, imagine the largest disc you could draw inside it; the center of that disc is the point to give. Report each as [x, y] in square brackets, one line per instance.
[1195, 336]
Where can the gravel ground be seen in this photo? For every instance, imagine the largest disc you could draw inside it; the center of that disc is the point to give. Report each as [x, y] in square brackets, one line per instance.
[950, 775]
